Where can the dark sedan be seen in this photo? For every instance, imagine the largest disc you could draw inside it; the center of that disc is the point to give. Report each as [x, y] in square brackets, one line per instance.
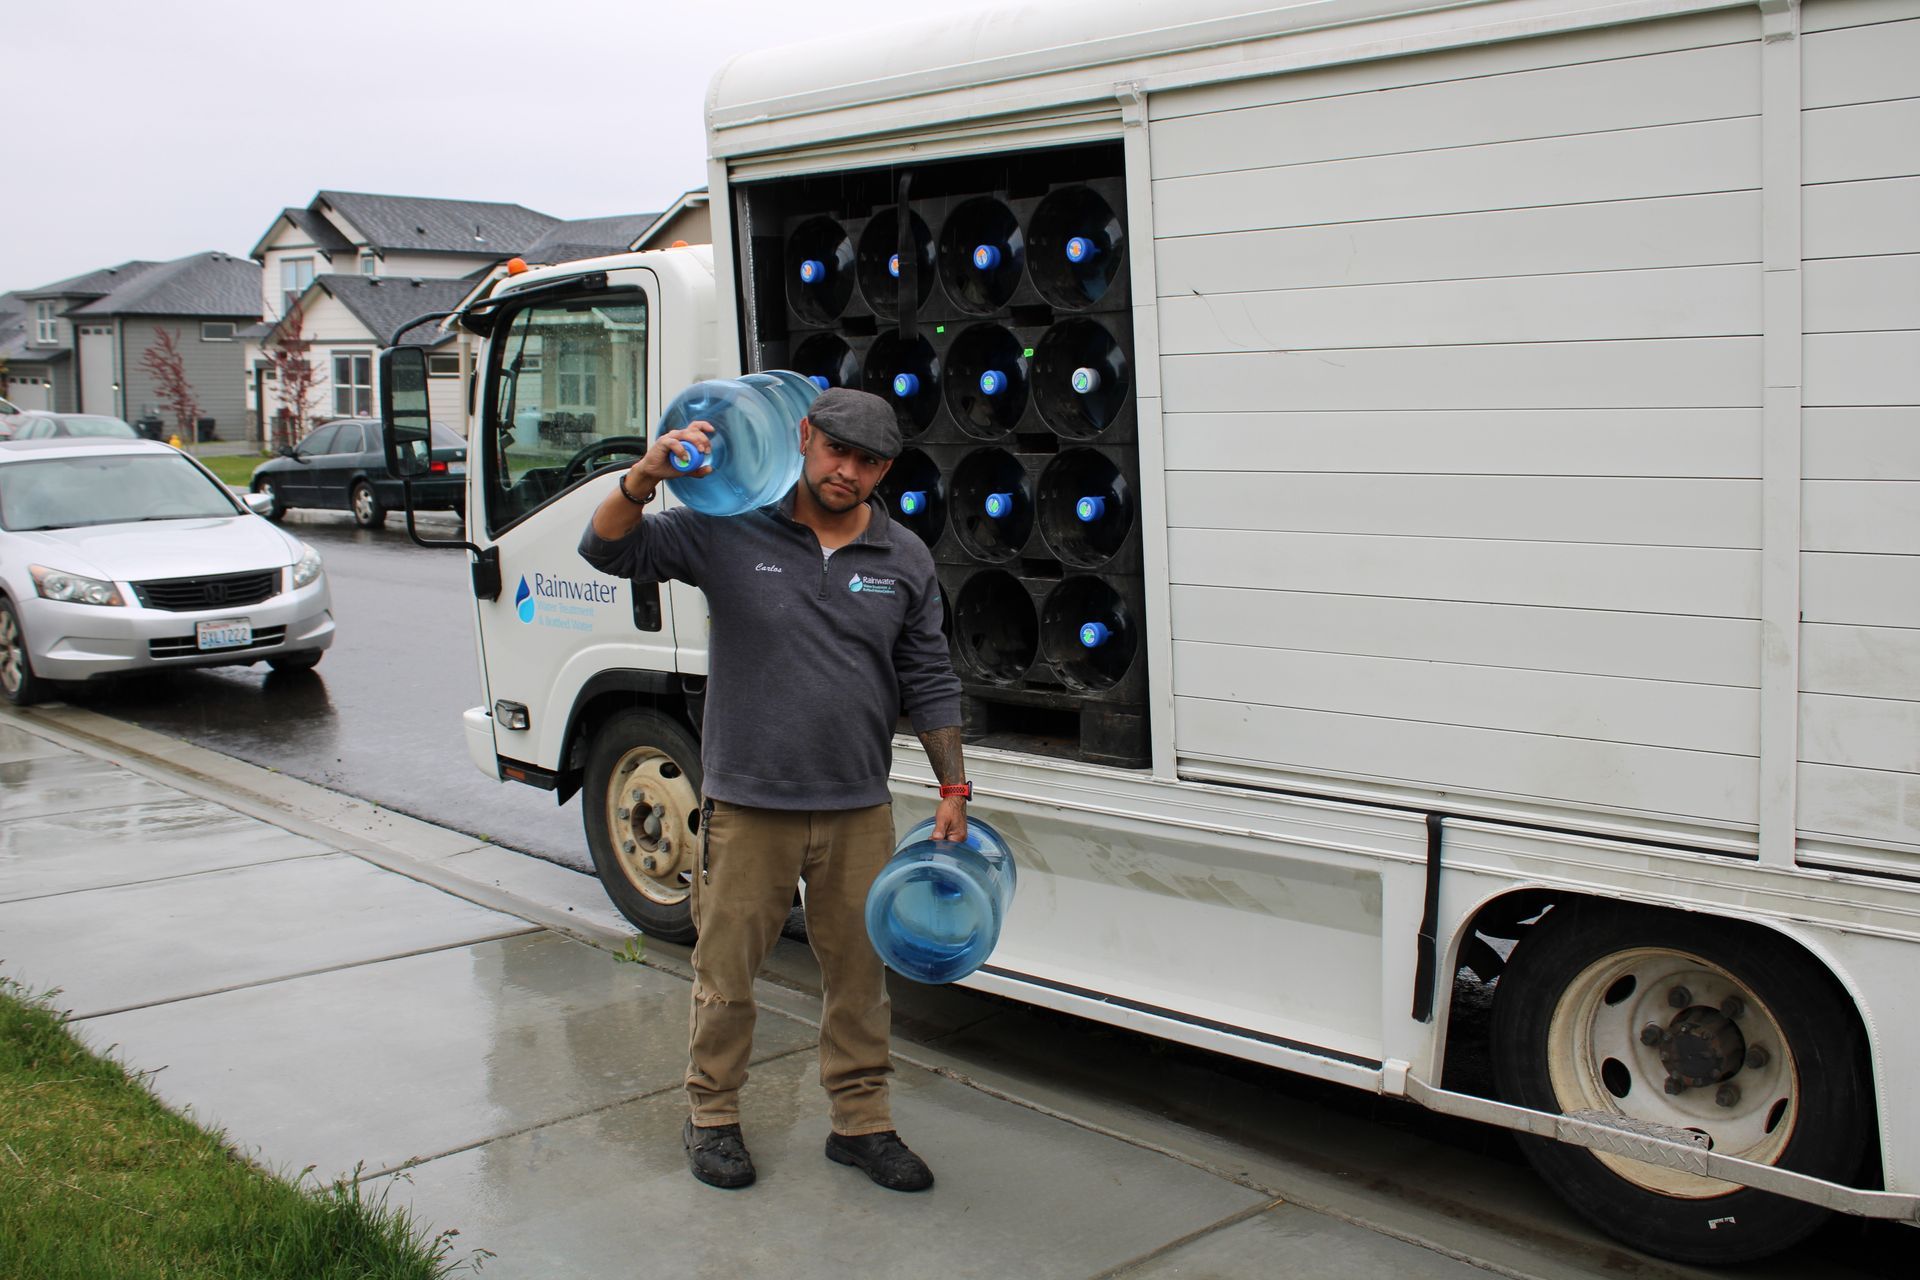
[342, 466]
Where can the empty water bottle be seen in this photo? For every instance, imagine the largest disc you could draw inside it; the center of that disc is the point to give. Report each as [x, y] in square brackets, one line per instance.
[935, 910]
[754, 449]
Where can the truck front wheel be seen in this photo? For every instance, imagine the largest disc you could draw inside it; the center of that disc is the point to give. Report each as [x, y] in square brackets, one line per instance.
[1682, 1022]
[642, 814]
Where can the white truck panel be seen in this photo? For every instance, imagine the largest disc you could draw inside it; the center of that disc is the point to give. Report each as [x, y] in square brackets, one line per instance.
[1695, 230]
[1640, 646]
[1669, 160]
[1677, 443]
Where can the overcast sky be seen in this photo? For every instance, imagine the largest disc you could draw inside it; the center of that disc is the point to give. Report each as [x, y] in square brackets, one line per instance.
[151, 130]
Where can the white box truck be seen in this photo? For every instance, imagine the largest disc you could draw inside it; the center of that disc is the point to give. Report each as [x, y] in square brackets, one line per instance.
[1507, 550]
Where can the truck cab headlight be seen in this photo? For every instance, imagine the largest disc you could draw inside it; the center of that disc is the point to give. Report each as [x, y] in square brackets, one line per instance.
[307, 567]
[53, 584]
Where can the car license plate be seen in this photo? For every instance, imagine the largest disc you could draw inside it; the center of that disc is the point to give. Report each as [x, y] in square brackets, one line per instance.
[225, 633]
[456, 469]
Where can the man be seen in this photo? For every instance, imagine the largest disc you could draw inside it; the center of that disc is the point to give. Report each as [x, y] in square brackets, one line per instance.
[825, 624]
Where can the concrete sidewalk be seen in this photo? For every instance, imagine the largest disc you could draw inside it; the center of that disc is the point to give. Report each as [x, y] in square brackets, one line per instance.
[341, 987]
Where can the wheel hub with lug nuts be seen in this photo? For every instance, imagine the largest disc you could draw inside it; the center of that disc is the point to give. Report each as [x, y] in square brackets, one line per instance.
[652, 811]
[1665, 1037]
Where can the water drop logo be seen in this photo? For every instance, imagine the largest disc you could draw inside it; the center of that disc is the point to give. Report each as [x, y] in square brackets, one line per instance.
[523, 601]
[856, 584]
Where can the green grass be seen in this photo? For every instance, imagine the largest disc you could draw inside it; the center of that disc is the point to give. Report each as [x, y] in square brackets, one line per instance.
[234, 468]
[99, 1181]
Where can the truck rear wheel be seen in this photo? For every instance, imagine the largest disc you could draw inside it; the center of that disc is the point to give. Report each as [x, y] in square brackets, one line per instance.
[1692, 1023]
[642, 814]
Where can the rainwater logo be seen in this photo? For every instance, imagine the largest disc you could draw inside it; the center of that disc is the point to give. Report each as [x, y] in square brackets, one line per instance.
[565, 604]
[871, 586]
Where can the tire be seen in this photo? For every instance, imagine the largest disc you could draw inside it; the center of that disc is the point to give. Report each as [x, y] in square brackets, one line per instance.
[367, 511]
[642, 804]
[18, 684]
[1569, 1014]
[297, 661]
[278, 511]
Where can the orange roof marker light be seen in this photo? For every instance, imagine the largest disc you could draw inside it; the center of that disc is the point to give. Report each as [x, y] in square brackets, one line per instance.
[516, 266]
[678, 244]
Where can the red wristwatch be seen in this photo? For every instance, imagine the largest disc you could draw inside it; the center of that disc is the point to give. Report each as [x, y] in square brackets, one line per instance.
[962, 789]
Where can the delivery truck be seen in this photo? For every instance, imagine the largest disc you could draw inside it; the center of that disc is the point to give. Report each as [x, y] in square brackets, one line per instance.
[1417, 490]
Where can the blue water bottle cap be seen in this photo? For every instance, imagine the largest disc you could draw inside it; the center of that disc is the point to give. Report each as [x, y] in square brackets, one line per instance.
[819, 380]
[999, 504]
[1086, 381]
[694, 460]
[913, 502]
[1081, 249]
[906, 385]
[993, 382]
[813, 271]
[893, 266]
[986, 257]
[1089, 509]
[1094, 634]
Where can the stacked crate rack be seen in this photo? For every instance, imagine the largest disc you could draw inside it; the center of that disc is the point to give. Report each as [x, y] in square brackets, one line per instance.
[1021, 468]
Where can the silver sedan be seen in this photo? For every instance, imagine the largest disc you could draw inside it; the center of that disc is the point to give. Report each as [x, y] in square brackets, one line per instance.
[127, 555]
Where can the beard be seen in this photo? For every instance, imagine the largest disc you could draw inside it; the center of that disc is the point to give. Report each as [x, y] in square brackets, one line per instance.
[838, 501]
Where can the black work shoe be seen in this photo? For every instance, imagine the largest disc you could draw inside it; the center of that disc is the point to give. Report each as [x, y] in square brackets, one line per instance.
[718, 1156]
[884, 1158]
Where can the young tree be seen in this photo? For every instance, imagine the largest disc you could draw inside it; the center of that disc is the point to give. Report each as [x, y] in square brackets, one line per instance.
[296, 381]
[169, 369]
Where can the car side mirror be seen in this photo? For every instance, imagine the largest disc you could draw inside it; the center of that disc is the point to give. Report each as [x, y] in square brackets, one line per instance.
[259, 503]
[403, 404]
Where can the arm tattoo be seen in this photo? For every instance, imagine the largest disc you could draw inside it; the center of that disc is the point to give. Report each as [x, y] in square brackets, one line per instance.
[943, 751]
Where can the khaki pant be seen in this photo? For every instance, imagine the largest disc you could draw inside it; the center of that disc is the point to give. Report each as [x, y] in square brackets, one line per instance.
[753, 859]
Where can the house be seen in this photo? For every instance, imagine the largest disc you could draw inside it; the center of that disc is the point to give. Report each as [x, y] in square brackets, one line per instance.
[346, 320]
[202, 302]
[587, 238]
[687, 220]
[41, 348]
[346, 233]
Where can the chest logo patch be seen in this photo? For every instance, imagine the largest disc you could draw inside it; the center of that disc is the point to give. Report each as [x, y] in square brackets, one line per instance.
[872, 586]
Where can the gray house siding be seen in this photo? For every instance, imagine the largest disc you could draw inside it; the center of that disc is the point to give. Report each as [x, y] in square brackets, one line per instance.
[217, 371]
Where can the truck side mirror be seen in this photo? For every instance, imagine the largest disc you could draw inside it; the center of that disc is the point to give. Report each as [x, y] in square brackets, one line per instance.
[403, 406]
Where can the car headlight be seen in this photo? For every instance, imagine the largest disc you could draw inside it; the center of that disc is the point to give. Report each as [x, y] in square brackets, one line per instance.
[307, 568]
[52, 584]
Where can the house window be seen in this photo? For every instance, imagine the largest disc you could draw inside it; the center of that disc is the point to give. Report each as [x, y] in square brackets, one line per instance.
[216, 331]
[43, 322]
[353, 385]
[295, 275]
[368, 265]
[579, 370]
[443, 366]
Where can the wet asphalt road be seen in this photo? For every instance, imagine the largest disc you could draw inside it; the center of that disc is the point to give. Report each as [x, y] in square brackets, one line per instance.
[380, 717]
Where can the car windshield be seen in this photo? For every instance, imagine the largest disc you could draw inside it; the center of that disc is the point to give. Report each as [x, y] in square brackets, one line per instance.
[114, 488]
[447, 438]
[86, 425]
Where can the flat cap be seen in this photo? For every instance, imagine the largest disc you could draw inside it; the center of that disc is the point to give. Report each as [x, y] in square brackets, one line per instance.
[857, 418]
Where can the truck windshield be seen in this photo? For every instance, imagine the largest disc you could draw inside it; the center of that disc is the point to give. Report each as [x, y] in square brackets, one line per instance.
[567, 397]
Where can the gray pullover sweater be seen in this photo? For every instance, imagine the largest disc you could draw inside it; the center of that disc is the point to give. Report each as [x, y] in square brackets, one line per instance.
[809, 665]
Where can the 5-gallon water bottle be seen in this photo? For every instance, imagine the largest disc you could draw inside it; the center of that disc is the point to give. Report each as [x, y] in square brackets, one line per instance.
[934, 912]
[755, 446]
